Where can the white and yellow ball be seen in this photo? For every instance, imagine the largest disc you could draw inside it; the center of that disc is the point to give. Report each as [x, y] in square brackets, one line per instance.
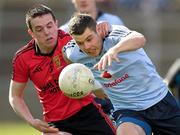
[76, 81]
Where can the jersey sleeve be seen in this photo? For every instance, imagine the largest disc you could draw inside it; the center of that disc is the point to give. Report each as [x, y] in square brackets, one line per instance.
[118, 32]
[68, 49]
[20, 70]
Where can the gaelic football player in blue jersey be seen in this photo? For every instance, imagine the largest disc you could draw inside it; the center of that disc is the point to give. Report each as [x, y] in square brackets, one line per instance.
[90, 7]
[142, 102]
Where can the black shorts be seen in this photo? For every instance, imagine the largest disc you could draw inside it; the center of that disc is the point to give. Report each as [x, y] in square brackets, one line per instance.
[106, 105]
[163, 118]
[90, 120]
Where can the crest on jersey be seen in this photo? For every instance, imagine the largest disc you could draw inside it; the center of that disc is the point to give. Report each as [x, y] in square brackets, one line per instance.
[56, 61]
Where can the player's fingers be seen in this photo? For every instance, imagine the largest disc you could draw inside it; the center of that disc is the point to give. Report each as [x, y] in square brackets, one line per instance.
[58, 133]
[99, 64]
[109, 61]
[104, 62]
[116, 59]
[107, 29]
[95, 66]
[104, 33]
[44, 124]
[50, 129]
[100, 31]
[64, 133]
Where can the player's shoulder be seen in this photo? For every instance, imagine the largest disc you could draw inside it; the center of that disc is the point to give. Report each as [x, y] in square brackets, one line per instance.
[119, 30]
[27, 49]
[72, 51]
[62, 34]
[63, 37]
[71, 46]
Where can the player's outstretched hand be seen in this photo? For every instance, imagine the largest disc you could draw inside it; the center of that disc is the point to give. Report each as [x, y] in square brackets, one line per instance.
[43, 126]
[106, 59]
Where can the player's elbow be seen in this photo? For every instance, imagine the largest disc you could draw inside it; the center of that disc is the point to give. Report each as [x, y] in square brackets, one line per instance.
[141, 40]
[11, 100]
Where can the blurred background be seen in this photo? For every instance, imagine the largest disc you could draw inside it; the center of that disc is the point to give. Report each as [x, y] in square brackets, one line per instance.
[158, 20]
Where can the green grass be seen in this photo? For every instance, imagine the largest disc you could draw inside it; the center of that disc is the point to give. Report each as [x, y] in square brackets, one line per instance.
[8, 128]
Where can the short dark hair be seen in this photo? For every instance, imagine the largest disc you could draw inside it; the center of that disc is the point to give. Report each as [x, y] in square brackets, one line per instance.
[37, 10]
[79, 22]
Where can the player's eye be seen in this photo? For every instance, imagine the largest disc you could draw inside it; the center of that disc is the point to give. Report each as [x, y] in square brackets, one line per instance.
[38, 30]
[89, 39]
[49, 26]
[80, 43]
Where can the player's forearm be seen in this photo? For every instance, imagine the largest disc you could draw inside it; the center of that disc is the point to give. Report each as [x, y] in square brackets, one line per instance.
[132, 42]
[20, 107]
[22, 110]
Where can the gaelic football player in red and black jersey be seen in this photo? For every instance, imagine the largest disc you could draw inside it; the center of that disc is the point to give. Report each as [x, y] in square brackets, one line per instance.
[41, 61]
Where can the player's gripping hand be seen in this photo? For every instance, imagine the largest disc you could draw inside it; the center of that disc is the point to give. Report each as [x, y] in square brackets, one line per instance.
[43, 126]
[103, 29]
[107, 59]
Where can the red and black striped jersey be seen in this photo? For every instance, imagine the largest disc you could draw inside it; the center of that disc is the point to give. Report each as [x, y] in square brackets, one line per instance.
[43, 70]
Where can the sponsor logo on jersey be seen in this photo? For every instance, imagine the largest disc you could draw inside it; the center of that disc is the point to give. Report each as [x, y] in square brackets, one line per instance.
[51, 87]
[117, 81]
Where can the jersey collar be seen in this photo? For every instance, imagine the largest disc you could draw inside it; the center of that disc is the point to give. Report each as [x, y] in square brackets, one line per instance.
[38, 51]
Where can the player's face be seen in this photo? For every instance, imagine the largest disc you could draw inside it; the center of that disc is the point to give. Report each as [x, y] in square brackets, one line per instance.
[84, 6]
[89, 42]
[44, 31]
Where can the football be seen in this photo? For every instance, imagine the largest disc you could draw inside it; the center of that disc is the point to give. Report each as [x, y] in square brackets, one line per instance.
[77, 81]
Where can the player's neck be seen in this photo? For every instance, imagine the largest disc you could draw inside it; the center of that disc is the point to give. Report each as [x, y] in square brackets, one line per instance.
[44, 50]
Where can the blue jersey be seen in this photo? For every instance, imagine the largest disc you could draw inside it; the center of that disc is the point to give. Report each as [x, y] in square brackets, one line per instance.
[110, 18]
[132, 83]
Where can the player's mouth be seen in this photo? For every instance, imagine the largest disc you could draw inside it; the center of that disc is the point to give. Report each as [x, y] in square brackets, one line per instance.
[49, 39]
[92, 52]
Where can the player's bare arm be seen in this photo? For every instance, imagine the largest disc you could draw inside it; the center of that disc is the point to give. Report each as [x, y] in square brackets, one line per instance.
[16, 100]
[131, 42]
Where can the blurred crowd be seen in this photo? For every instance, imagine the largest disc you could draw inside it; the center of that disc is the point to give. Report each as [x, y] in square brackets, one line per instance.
[162, 5]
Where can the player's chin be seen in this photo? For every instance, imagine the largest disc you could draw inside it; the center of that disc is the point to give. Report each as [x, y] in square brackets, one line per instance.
[92, 54]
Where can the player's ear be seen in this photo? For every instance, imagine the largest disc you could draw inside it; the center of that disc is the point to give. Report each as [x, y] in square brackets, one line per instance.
[30, 33]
